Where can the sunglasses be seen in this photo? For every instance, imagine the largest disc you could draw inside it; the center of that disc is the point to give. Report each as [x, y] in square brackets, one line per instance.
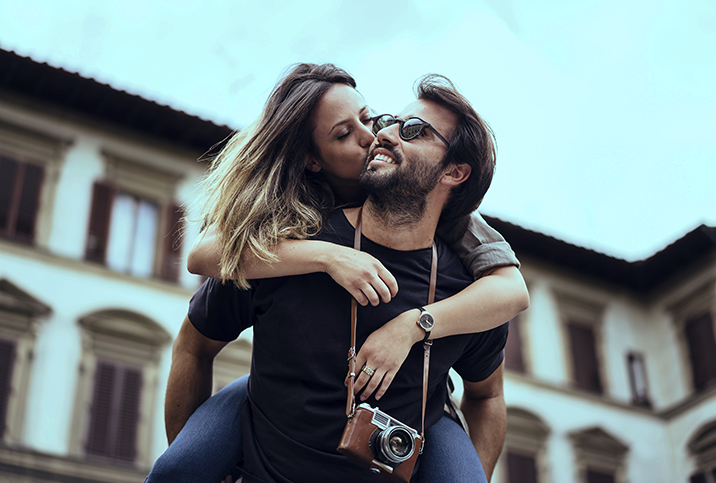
[409, 128]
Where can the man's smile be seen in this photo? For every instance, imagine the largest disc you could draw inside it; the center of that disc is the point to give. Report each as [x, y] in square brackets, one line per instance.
[383, 156]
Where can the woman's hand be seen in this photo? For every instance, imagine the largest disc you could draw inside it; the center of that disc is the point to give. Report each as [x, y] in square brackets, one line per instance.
[384, 352]
[367, 280]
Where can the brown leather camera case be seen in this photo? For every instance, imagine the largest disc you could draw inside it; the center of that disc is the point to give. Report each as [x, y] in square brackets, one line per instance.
[355, 444]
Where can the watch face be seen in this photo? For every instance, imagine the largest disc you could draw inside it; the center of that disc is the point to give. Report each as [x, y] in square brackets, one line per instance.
[426, 321]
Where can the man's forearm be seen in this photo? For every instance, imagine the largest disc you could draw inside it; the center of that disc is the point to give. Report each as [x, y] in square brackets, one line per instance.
[188, 387]
[487, 420]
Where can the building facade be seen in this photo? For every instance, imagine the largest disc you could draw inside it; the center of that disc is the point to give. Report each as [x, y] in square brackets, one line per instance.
[611, 373]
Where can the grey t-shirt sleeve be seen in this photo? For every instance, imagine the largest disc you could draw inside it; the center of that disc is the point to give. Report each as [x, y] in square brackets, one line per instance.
[479, 246]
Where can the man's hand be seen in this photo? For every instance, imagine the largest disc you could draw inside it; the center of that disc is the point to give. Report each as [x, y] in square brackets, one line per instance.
[384, 351]
[483, 404]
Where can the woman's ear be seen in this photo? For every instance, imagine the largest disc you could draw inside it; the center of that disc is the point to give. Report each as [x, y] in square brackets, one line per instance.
[312, 164]
[456, 174]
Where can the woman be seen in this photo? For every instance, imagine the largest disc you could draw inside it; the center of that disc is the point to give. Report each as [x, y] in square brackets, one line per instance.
[272, 187]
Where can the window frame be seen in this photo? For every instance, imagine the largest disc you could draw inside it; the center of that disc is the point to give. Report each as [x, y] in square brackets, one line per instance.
[527, 435]
[46, 151]
[144, 181]
[131, 340]
[20, 318]
[698, 301]
[597, 450]
[233, 362]
[574, 310]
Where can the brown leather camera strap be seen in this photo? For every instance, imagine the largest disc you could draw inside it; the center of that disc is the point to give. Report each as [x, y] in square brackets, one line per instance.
[350, 406]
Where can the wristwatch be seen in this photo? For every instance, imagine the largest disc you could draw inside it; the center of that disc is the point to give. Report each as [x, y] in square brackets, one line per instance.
[426, 321]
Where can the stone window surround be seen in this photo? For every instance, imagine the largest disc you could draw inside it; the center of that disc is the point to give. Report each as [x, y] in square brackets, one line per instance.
[127, 338]
[20, 317]
[34, 147]
[581, 310]
[698, 301]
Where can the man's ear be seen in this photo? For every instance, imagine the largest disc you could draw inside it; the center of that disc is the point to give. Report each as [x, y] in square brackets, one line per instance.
[456, 174]
[312, 164]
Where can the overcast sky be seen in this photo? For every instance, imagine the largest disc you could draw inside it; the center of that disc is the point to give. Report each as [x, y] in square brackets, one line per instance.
[604, 111]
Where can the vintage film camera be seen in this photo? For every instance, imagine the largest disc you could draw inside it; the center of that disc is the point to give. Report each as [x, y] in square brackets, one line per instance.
[375, 440]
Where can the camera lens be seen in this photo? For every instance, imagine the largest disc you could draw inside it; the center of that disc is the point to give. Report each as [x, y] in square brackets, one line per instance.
[399, 445]
[394, 445]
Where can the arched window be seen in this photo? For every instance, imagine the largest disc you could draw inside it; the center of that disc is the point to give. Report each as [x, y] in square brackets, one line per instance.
[600, 456]
[117, 389]
[703, 448]
[524, 452]
[232, 362]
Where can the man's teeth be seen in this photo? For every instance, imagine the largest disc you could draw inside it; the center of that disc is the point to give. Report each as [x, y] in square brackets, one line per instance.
[383, 158]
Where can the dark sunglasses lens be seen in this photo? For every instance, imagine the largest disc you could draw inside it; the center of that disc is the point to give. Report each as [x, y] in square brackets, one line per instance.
[411, 128]
[382, 122]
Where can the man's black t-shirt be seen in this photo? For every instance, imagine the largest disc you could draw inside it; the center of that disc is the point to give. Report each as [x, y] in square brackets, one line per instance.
[295, 412]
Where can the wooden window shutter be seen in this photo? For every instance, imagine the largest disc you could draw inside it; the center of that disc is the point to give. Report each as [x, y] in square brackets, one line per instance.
[128, 415]
[7, 363]
[20, 185]
[521, 468]
[114, 415]
[584, 357]
[28, 203]
[100, 424]
[98, 233]
[700, 338]
[599, 477]
[513, 349]
[8, 185]
[172, 244]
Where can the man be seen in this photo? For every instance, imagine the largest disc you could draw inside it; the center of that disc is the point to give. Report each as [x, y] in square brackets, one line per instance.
[416, 172]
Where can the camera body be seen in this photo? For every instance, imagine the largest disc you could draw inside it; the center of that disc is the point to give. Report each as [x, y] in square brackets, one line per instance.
[377, 441]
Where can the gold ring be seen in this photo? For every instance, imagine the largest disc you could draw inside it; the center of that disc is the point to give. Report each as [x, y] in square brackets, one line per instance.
[368, 371]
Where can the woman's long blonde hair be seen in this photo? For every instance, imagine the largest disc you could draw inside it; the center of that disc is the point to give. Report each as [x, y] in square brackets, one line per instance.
[258, 190]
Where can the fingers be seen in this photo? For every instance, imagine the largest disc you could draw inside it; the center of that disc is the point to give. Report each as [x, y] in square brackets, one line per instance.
[390, 282]
[373, 384]
[381, 378]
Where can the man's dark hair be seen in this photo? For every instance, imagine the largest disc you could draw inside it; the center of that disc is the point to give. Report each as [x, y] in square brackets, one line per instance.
[472, 142]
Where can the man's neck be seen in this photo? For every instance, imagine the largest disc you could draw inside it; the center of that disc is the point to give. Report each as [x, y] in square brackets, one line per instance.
[391, 230]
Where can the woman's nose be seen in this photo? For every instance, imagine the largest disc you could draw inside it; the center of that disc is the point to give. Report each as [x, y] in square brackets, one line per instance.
[366, 136]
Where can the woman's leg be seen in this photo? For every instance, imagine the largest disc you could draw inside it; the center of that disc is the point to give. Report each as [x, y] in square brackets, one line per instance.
[449, 456]
[210, 444]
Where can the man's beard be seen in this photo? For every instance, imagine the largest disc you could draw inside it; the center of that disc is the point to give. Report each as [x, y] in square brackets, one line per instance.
[399, 196]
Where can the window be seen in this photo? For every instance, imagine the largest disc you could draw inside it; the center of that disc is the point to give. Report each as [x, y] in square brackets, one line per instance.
[114, 412]
[594, 476]
[29, 166]
[524, 447]
[134, 224]
[585, 366]
[600, 456]
[694, 320]
[20, 316]
[581, 320]
[117, 387]
[637, 379]
[701, 342]
[20, 185]
[702, 447]
[514, 357]
[232, 362]
[521, 468]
